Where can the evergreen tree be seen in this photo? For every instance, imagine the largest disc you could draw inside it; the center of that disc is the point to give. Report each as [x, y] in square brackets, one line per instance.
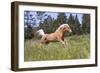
[28, 32]
[50, 24]
[61, 18]
[40, 16]
[29, 22]
[55, 24]
[86, 23]
[47, 24]
[77, 25]
[71, 23]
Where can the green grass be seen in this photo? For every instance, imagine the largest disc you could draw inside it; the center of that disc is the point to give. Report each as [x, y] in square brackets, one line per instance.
[78, 48]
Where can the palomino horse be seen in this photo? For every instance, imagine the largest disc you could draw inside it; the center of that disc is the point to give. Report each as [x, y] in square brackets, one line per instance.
[58, 35]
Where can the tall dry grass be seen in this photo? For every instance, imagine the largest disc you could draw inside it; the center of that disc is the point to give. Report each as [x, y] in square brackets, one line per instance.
[78, 48]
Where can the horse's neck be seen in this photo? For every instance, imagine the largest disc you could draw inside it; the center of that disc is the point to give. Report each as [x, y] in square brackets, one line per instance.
[60, 33]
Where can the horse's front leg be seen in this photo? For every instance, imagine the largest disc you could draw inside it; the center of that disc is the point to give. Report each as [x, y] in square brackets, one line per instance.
[63, 42]
[66, 43]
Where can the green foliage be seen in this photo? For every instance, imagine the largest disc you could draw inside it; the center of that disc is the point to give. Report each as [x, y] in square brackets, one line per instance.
[40, 15]
[78, 48]
[28, 32]
[47, 25]
[50, 24]
[77, 26]
[61, 18]
[86, 23]
[71, 23]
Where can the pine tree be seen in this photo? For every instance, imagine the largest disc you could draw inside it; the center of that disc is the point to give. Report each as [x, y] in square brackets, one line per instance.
[71, 23]
[28, 32]
[47, 24]
[29, 21]
[40, 17]
[77, 25]
[86, 23]
[61, 18]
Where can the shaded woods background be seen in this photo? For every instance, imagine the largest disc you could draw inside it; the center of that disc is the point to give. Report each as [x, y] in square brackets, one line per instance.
[50, 21]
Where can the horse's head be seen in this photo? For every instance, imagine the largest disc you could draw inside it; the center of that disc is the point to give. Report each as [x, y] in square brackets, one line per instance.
[65, 28]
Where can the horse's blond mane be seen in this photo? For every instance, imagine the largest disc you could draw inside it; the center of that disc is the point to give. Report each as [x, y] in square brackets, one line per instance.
[63, 25]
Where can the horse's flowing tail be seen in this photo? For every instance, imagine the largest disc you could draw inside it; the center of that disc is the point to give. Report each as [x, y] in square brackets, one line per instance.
[40, 33]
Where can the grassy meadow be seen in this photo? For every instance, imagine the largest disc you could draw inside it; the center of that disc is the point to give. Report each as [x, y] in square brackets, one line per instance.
[78, 48]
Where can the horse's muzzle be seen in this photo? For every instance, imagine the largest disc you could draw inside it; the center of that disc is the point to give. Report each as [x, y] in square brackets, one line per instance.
[70, 30]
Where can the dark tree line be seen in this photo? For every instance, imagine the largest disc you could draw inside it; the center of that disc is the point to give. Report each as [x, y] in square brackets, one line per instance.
[50, 24]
